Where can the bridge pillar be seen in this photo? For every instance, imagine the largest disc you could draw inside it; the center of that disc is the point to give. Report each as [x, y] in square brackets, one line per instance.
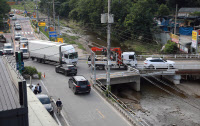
[136, 84]
[173, 78]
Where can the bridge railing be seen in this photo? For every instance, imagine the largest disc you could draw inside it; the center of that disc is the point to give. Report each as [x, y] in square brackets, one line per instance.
[176, 66]
[173, 56]
[118, 74]
[121, 104]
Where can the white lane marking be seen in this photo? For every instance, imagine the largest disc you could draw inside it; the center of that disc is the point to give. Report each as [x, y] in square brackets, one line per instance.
[22, 32]
[112, 107]
[44, 86]
[62, 115]
[31, 32]
[57, 119]
[25, 32]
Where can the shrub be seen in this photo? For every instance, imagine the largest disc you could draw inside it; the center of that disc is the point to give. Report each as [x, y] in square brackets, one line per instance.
[170, 47]
[39, 75]
[30, 70]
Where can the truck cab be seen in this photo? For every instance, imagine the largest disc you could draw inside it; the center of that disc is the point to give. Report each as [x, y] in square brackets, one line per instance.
[23, 47]
[69, 55]
[8, 49]
[129, 58]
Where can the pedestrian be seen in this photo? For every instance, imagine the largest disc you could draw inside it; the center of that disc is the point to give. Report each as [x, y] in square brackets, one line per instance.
[35, 90]
[39, 88]
[59, 106]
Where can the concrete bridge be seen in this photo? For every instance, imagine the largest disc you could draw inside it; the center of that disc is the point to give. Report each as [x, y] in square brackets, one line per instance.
[132, 76]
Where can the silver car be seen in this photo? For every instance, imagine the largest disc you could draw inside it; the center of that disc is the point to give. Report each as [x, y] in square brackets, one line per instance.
[45, 100]
[18, 27]
[23, 40]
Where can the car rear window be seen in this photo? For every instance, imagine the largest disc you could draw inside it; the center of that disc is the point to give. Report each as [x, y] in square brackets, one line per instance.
[80, 83]
[71, 67]
[44, 100]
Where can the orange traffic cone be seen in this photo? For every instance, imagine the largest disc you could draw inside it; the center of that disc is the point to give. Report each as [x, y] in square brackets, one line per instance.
[44, 75]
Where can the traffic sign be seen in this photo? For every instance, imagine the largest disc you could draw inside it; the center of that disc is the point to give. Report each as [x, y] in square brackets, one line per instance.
[22, 66]
[25, 12]
[53, 35]
[41, 23]
[60, 40]
[52, 32]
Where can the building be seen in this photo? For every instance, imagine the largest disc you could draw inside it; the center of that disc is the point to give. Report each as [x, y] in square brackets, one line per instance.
[13, 99]
[185, 12]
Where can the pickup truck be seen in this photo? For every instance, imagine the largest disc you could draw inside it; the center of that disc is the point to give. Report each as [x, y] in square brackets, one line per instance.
[2, 39]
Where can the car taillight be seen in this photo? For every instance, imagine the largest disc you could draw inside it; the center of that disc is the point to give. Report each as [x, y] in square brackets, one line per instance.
[78, 86]
[145, 63]
[88, 85]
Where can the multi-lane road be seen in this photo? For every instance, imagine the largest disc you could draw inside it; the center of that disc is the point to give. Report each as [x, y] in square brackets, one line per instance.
[84, 109]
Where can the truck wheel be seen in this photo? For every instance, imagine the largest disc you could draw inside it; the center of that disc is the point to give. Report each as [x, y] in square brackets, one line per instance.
[38, 60]
[101, 67]
[43, 61]
[32, 58]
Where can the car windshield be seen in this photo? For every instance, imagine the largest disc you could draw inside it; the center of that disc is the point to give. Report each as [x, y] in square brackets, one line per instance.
[71, 55]
[71, 67]
[17, 25]
[7, 47]
[24, 39]
[24, 50]
[45, 100]
[80, 83]
[18, 34]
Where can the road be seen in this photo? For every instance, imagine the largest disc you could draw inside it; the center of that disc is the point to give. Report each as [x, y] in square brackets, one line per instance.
[83, 109]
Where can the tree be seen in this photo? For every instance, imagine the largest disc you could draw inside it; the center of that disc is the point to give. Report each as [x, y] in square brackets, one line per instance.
[195, 13]
[170, 47]
[163, 10]
[30, 70]
[140, 19]
[4, 9]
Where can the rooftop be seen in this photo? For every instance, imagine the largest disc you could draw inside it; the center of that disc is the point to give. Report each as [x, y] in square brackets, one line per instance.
[80, 78]
[8, 95]
[185, 9]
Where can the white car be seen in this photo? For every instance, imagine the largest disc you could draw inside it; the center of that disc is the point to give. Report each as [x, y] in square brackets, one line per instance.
[154, 63]
[17, 36]
[23, 40]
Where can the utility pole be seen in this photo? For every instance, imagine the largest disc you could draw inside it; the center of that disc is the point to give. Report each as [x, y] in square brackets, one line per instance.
[49, 19]
[108, 47]
[54, 15]
[175, 19]
[58, 27]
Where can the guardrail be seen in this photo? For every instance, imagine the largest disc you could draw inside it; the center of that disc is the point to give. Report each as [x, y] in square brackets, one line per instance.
[174, 56]
[135, 120]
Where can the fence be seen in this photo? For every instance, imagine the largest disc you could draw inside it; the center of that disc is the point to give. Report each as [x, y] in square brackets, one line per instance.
[121, 106]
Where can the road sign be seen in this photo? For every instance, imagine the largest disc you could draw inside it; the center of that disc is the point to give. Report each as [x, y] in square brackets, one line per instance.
[51, 28]
[60, 40]
[22, 66]
[34, 14]
[41, 23]
[52, 32]
[53, 35]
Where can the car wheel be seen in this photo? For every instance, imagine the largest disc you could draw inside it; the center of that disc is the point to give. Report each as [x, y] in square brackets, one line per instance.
[74, 91]
[171, 66]
[88, 92]
[56, 70]
[151, 67]
[66, 74]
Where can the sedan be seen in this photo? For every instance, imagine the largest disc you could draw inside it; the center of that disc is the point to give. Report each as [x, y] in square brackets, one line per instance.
[18, 27]
[23, 40]
[154, 63]
[17, 36]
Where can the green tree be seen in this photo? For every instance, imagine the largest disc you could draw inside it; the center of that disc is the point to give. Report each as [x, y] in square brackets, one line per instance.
[140, 19]
[30, 70]
[195, 13]
[170, 47]
[163, 10]
[4, 9]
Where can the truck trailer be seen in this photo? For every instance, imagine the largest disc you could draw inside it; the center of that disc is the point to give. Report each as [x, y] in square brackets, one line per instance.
[43, 51]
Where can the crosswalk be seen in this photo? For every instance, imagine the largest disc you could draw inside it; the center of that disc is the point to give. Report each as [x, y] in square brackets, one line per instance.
[24, 33]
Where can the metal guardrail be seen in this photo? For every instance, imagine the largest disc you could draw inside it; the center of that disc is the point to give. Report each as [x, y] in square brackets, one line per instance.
[117, 74]
[174, 56]
[121, 104]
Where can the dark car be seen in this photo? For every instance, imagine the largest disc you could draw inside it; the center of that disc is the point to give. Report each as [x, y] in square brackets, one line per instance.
[2, 39]
[1, 52]
[79, 84]
[45, 100]
[66, 69]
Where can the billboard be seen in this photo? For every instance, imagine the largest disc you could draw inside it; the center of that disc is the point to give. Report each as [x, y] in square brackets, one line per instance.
[175, 38]
[41, 23]
[194, 38]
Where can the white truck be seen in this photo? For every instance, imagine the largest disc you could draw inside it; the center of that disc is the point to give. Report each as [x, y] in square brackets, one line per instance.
[8, 48]
[23, 47]
[119, 59]
[43, 51]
